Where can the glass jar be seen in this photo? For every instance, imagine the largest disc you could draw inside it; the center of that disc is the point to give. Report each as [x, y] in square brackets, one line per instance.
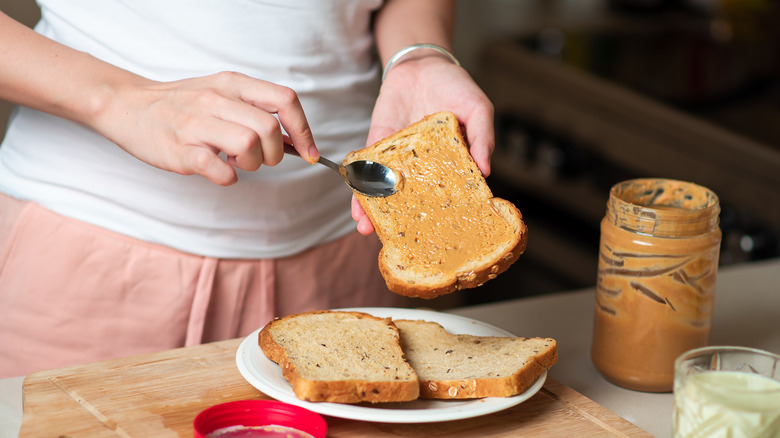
[658, 260]
[727, 392]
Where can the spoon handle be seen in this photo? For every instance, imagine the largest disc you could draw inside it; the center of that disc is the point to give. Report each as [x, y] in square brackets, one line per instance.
[290, 149]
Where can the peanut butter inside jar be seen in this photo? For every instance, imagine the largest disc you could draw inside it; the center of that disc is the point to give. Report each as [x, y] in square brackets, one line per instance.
[658, 260]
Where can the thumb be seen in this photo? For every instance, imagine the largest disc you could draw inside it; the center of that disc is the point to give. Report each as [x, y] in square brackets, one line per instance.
[378, 132]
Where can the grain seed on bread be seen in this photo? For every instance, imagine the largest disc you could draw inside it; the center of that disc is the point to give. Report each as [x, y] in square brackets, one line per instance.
[350, 357]
[457, 366]
[443, 230]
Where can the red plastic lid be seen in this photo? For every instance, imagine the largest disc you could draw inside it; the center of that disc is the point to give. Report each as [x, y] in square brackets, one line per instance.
[256, 413]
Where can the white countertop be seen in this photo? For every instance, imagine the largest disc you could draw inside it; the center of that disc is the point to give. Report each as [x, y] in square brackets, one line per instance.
[747, 311]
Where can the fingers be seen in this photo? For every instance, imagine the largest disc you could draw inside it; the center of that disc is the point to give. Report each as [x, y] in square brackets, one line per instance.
[364, 225]
[294, 121]
[377, 132]
[284, 102]
[237, 115]
[254, 107]
[202, 161]
[247, 143]
[437, 85]
[480, 134]
[209, 125]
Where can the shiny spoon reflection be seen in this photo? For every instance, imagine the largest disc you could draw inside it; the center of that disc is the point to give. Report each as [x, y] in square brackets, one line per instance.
[366, 177]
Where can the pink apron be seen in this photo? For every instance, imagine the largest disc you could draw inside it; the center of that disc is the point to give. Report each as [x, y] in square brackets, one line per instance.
[71, 292]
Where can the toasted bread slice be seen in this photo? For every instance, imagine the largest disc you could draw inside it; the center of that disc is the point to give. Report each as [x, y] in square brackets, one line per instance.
[443, 230]
[340, 357]
[452, 366]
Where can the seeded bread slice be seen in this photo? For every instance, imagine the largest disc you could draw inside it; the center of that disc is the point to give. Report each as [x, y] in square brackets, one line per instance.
[452, 366]
[443, 230]
[340, 357]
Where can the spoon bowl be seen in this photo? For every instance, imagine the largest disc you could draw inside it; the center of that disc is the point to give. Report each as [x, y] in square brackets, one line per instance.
[365, 177]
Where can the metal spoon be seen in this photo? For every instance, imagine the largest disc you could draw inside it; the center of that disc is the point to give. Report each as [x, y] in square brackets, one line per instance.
[367, 177]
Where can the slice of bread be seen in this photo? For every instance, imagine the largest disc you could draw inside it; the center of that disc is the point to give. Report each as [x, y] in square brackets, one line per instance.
[443, 230]
[452, 366]
[340, 357]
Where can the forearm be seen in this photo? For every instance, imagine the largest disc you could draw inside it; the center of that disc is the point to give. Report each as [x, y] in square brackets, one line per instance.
[181, 126]
[401, 23]
[42, 74]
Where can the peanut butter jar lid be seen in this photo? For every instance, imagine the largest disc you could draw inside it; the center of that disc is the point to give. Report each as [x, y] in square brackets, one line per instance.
[239, 418]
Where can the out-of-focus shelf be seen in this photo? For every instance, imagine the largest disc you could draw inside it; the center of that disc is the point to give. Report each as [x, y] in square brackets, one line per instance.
[636, 133]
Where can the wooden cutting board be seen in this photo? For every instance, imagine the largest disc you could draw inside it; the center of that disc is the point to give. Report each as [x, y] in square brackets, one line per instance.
[159, 394]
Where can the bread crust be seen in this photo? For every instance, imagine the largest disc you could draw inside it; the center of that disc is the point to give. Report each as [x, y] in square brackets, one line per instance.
[336, 391]
[510, 386]
[501, 366]
[543, 355]
[468, 277]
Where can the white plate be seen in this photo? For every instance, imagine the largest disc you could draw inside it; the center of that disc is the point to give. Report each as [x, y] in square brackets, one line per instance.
[265, 375]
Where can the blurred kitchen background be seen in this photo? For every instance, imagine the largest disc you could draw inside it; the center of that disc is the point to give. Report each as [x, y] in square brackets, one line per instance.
[591, 92]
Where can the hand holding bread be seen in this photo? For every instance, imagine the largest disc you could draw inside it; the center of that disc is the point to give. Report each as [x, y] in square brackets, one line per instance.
[443, 231]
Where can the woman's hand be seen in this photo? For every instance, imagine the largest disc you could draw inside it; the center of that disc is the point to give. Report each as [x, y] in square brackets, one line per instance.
[180, 126]
[184, 126]
[420, 87]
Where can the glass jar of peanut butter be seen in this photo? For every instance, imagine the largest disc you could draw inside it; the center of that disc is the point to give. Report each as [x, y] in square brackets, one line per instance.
[658, 260]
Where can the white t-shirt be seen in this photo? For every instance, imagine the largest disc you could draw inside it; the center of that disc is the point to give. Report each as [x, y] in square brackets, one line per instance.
[321, 49]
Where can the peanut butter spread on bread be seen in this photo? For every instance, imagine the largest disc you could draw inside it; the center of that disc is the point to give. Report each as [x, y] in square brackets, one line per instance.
[443, 223]
[443, 230]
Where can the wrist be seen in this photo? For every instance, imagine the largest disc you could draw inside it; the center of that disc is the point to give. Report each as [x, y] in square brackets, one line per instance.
[114, 101]
[416, 52]
[104, 92]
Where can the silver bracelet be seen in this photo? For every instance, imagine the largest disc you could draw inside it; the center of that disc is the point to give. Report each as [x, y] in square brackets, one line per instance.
[408, 49]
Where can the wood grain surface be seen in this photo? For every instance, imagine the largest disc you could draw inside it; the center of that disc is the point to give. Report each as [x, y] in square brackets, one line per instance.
[159, 395]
